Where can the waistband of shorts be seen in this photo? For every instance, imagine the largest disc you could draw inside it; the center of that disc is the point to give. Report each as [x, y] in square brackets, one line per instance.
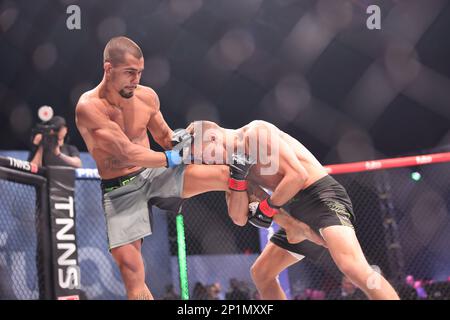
[323, 183]
[111, 184]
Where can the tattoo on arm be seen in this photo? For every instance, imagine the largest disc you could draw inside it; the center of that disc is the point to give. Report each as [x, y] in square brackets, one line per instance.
[114, 163]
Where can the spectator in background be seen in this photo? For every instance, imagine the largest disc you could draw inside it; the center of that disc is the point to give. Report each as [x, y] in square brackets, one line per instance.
[318, 295]
[304, 295]
[417, 285]
[420, 290]
[310, 294]
[347, 291]
[214, 291]
[199, 292]
[218, 291]
[406, 289]
[50, 149]
[409, 280]
[237, 291]
[256, 295]
[170, 293]
[244, 286]
[437, 290]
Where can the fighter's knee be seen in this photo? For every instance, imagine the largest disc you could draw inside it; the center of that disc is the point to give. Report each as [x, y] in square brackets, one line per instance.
[255, 272]
[133, 274]
[131, 267]
[129, 264]
[261, 273]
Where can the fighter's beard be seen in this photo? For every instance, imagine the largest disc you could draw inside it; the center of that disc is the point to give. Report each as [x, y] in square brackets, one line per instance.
[126, 95]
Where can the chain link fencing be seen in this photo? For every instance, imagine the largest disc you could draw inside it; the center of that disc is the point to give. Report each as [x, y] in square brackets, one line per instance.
[403, 225]
[19, 210]
[402, 222]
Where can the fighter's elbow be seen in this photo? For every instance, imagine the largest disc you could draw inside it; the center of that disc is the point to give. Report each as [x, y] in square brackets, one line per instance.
[125, 154]
[239, 220]
[122, 149]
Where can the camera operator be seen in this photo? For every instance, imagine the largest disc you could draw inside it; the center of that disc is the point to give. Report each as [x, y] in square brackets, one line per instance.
[49, 147]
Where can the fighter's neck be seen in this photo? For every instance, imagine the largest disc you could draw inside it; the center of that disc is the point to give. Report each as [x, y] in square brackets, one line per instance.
[109, 94]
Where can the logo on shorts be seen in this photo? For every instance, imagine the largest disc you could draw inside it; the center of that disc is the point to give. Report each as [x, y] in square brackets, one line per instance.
[341, 211]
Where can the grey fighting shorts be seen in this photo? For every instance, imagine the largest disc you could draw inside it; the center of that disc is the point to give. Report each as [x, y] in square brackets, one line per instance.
[127, 202]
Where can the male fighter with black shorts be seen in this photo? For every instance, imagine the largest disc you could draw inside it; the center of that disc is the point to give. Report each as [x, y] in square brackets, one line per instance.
[301, 186]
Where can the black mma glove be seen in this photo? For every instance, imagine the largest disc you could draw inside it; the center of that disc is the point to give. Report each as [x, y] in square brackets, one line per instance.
[261, 214]
[239, 169]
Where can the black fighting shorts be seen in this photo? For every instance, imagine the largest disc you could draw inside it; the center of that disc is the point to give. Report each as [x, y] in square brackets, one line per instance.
[324, 203]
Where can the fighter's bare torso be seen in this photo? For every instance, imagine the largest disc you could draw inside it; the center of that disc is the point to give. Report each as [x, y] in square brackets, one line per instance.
[132, 117]
[286, 144]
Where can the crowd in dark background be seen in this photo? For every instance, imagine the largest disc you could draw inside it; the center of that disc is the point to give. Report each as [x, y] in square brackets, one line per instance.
[410, 289]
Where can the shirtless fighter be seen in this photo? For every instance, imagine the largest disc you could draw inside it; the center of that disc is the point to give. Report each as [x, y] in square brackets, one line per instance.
[301, 186]
[113, 119]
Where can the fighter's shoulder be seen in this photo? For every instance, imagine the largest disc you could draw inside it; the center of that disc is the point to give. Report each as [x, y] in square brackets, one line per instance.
[257, 125]
[87, 104]
[88, 98]
[148, 96]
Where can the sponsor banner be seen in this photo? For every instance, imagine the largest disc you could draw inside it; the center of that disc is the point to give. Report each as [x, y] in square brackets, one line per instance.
[66, 271]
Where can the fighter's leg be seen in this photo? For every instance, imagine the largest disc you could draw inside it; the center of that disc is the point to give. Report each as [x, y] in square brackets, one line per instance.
[349, 257]
[266, 269]
[203, 178]
[129, 259]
